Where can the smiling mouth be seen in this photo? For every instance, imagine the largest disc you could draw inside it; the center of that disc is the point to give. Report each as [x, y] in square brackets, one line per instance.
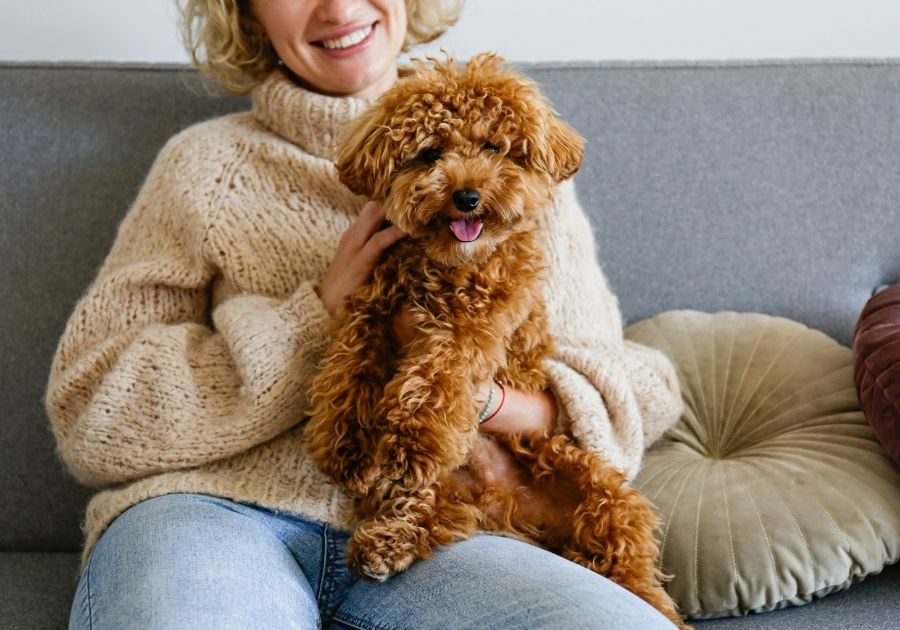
[347, 41]
[466, 230]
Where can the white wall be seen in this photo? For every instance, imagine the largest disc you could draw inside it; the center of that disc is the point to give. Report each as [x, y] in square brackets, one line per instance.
[524, 30]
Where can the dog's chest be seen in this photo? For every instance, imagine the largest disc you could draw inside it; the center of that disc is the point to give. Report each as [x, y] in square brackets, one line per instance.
[491, 293]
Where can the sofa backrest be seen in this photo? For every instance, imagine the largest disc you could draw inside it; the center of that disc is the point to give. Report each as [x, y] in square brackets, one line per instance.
[771, 187]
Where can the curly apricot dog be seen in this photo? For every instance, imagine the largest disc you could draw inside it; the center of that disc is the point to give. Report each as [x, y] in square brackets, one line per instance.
[463, 159]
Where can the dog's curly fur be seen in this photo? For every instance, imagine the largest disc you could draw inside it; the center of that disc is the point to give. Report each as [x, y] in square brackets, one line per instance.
[395, 428]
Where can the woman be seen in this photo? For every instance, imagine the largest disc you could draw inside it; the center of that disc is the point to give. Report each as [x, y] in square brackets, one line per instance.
[178, 385]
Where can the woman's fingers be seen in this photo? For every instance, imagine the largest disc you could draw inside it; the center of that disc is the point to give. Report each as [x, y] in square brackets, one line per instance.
[380, 241]
[365, 226]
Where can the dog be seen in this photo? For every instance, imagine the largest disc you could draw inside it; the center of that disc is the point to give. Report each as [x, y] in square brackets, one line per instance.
[463, 158]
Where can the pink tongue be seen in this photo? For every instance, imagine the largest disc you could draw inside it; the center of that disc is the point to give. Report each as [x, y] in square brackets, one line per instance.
[466, 230]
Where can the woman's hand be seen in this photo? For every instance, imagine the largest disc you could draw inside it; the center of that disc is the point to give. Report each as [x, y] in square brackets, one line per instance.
[359, 248]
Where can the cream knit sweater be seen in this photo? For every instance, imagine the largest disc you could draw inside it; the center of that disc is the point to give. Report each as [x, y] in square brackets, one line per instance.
[185, 366]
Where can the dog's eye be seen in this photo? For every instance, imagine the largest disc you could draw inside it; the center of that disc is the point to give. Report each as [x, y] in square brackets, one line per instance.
[493, 148]
[430, 156]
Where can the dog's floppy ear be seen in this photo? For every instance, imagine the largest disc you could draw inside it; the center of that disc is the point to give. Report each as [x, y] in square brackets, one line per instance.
[553, 147]
[365, 160]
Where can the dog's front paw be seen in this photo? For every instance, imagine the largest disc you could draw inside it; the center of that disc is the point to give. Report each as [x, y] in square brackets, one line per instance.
[411, 465]
[375, 553]
[358, 481]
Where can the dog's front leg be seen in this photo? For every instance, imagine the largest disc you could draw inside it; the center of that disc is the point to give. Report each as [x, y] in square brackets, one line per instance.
[345, 396]
[431, 415]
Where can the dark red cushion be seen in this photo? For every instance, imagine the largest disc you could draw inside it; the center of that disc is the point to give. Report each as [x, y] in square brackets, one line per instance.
[876, 358]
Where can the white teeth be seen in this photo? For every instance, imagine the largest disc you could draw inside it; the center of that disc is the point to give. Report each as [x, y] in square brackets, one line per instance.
[348, 40]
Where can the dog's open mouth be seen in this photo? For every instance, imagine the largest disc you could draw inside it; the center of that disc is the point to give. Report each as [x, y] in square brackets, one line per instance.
[466, 230]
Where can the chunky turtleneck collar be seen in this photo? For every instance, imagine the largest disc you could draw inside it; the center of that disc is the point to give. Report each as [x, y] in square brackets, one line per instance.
[309, 120]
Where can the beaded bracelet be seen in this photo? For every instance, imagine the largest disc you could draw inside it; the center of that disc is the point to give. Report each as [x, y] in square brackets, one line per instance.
[502, 400]
[487, 406]
[481, 417]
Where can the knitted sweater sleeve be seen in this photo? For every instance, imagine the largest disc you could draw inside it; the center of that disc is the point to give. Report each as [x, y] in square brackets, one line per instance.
[615, 397]
[145, 379]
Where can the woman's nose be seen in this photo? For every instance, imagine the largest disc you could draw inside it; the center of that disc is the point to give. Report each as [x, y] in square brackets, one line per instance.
[337, 11]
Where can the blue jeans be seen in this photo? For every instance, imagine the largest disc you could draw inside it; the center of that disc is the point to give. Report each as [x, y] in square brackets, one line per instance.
[196, 561]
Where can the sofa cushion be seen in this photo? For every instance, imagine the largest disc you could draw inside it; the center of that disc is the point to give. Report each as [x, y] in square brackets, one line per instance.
[36, 589]
[772, 487]
[876, 358]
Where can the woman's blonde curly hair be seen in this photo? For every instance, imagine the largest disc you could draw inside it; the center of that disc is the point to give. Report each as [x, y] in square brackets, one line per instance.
[227, 43]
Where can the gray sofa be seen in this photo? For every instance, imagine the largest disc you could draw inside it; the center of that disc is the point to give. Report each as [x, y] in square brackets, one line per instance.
[771, 187]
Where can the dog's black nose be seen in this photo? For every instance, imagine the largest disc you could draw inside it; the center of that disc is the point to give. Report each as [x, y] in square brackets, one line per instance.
[466, 199]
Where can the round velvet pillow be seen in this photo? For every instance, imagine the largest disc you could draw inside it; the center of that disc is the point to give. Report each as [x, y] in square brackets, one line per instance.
[876, 357]
[772, 488]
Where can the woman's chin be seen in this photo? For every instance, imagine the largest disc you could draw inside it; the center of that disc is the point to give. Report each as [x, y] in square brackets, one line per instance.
[365, 74]
[353, 82]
